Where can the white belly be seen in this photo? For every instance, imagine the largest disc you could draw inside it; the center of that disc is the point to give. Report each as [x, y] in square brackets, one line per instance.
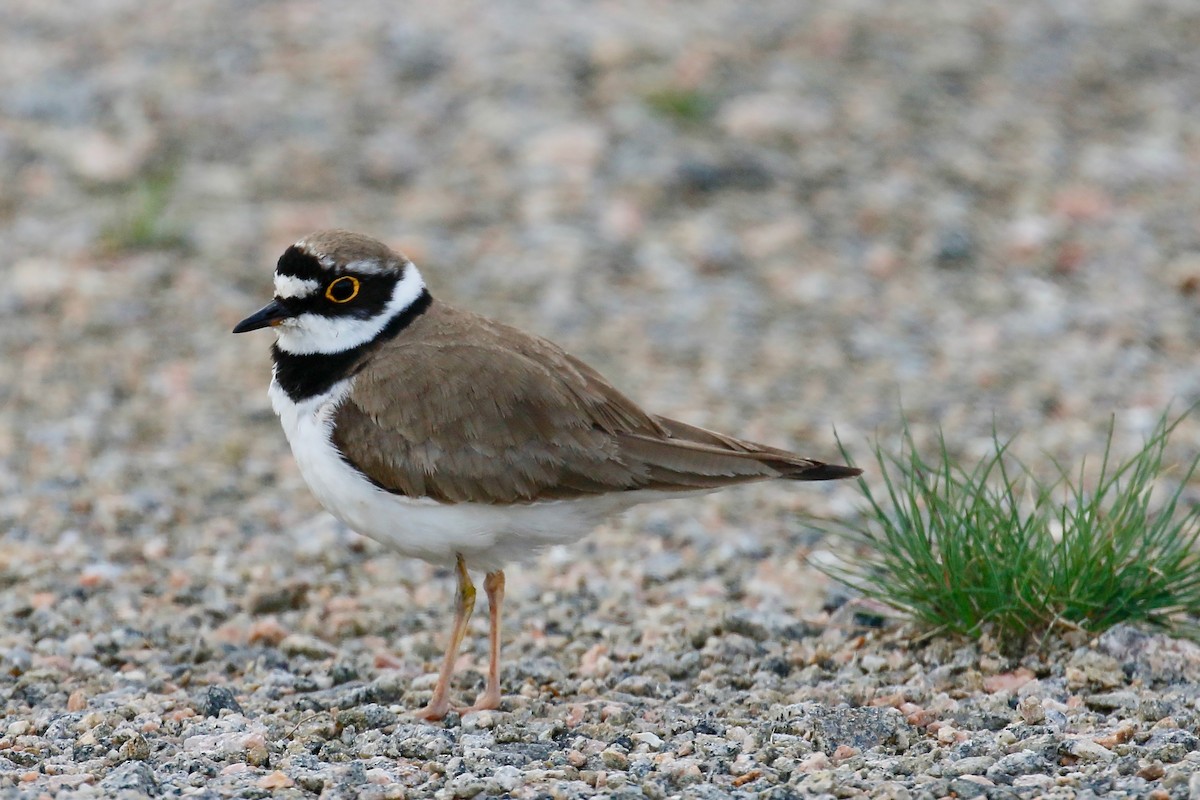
[488, 536]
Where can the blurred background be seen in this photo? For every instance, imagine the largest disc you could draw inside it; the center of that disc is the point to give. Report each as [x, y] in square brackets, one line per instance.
[770, 219]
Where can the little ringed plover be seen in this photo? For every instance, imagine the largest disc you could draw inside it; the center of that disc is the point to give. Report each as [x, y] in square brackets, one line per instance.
[459, 440]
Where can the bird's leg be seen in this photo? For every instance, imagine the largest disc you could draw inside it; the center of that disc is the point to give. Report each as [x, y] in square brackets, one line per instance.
[494, 584]
[439, 704]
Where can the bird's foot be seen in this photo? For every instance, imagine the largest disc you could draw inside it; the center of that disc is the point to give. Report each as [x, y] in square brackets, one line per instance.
[436, 710]
[487, 701]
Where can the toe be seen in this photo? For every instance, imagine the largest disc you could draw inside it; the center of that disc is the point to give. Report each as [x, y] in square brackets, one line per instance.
[485, 702]
[433, 712]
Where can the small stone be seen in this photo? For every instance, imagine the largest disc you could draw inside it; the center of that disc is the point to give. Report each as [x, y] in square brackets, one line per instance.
[686, 771]
[218, 698]
[275, 780]
[861, 728]
[1090, 668]
[370, 716]
[968, 787]
[916, 715]
[768, 115]
[891, 790]
[649, 739]
[1087, 750]
[343, 672]
[1170, 745]
[972, 765]
[98, 156]
[275, 599]
[955, 248]
[1024, 762]
[1031, 710]
[702, 176]
[814, 763]
[1008, 681]
[389, 687]
[873, 663]
[1122, 734]
[298, 644]
[614, 759]
[843, 752]
[466, 785]
[36, 281]
[59, 783]
[479, 720]
[1125, 642]
[640, 686]
[379, 777]
[1111, 701]
[615, 714]
[507, 777]
[256, 751]
[134, 777]
[572, 148]
[1033, 782]
[266, 631]
[135, 748]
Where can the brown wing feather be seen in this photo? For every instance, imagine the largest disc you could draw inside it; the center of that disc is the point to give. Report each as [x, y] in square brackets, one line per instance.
[532, 423]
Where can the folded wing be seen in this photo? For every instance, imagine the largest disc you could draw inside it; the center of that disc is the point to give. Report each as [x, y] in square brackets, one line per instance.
[500, 416]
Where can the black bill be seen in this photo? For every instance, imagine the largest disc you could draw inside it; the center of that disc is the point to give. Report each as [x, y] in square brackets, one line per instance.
[271, 314]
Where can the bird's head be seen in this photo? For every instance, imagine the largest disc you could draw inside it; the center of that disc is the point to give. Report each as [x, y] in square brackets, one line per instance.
[334, 291]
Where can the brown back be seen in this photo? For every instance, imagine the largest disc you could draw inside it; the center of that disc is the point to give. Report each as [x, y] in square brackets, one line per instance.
[460, 408]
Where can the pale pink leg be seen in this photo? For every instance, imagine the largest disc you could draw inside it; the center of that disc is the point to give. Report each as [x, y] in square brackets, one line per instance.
[439, 704]
[494, 584]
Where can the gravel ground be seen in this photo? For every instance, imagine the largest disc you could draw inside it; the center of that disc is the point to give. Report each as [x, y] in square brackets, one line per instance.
[768, 218]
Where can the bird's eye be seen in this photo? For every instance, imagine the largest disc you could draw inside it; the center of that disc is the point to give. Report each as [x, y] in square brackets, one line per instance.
[343, 290]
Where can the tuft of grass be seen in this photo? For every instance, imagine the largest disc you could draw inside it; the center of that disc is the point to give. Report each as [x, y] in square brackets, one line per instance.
[143, 224]
[992, 548]
[683, 105]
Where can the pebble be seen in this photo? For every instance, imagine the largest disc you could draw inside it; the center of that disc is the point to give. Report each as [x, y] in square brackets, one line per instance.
[1031, 710]
[971, 765]
[298, 644]
[1109, 701]
[1087, 750]
[276, 780]
[1022, 762]
[218, 699]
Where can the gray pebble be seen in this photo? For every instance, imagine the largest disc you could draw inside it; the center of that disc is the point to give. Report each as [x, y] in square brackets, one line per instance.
[1024, 762]
[132, 776]
[218, 698]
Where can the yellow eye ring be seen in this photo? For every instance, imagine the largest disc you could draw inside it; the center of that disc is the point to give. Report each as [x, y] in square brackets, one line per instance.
[334, 291]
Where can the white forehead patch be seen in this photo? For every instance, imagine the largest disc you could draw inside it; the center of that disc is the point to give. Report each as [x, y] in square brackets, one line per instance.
[288, 286]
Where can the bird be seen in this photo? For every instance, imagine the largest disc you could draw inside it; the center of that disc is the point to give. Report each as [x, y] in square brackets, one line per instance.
[459, 440]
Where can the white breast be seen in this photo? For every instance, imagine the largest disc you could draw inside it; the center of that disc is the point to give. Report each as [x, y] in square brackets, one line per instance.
[488, 536]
